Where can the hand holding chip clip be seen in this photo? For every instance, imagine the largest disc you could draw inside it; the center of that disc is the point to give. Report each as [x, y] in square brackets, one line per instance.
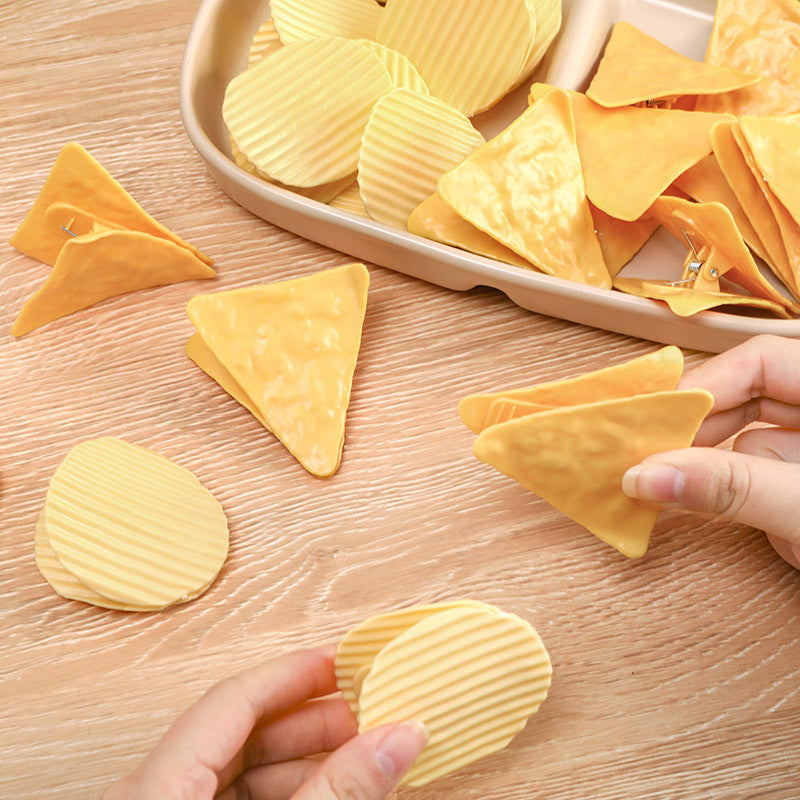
[251, 736]
[755, 483]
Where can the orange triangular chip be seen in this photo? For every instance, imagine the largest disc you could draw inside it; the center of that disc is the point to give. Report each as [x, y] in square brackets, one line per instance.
[631, 155]
[760, 37]
[79, 180]
[525, 189]
[652, 372]
[637, 68]
[96, 266]
[715, 245]
[291, 348]
[575, 457]
[620, 240]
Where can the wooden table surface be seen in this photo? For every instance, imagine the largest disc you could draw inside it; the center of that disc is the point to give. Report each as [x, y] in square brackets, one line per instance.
[674, 676]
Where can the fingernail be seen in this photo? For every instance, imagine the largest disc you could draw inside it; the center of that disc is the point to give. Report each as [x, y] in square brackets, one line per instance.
[654, 483]
[400, 748]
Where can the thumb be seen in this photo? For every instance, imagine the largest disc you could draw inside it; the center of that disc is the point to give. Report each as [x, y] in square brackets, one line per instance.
[368, 766]
[756, 491]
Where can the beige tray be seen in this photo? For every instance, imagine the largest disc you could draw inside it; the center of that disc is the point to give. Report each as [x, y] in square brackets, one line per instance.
[216, 50]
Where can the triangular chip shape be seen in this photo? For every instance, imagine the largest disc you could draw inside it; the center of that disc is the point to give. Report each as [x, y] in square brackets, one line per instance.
[410, 141]
[525, 189]
[631, 155]
[620, 240]
[653, 372]
[292, 348]
[759, 37]
[78, 179]
[637, 68]
[434, 219]
[575, 457]
[685, 301]
[96, 266]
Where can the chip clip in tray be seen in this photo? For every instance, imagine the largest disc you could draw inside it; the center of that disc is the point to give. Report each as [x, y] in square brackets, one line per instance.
[216, 51]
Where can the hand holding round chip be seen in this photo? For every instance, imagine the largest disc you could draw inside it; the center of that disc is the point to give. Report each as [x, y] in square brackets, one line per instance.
[251, 736]
[757, 482]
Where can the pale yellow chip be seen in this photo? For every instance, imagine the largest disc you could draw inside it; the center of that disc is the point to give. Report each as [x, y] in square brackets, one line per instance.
[472, 676]
[349, 199]
[299, 113]
[264, 42]
[296, 20]
[134, 526]
[403, 73]
[525, 188]
[653, 372]
[96, 266]
[410, 141]
[469, 55]
[575, 457]
[636, 68]
[292, 347]
[686, 302]
[434, 219]
[357, 650]
[547, 14]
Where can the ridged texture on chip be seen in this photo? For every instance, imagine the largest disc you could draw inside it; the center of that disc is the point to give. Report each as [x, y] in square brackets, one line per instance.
[312, 19]
[410, 141]
[547, 14]
[265, 41]
[132, 525]
[472, 676]
[469, 54]
[350, 200]
[360, 646]
[403, 73]
[298, 114]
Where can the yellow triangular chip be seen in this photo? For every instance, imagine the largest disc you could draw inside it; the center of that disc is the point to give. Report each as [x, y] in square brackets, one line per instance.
[134, 526]
[620, 240]
[296, 128]
[525, 189]
[410, 141]
[96, 266]
[434, 219]
[637, 68]
[575, 457]
[653, 372]
[291, 347]
[759, 37]
[472, 676]
[631, 155]
[79, 180]
[493, 40]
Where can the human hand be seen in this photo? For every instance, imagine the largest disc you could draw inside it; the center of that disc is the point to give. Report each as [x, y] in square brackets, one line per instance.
[756, 483]
[251, 737]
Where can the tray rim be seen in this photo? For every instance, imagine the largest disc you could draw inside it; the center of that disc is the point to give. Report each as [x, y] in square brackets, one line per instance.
[443, 265]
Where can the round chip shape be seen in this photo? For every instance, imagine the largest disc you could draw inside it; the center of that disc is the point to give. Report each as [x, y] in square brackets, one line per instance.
[410, 141]
[299, 113]
[473, 676]
[134, 526]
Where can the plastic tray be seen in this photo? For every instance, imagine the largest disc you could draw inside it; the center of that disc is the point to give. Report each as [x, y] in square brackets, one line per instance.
[216, 50]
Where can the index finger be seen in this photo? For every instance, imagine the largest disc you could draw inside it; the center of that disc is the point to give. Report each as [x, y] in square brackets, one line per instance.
[209, 734]
[756, 380]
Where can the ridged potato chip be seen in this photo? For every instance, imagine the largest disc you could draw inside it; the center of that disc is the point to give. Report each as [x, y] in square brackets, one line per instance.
[265, 41]
[133, 526]
[525, 188]
[574, 457]
[637, 68]
[296, 128]
[547, 14]
[410, 141]
[291, 347]
[296, 20]
[403, 73]
[653, 372]
[472, 676]
[469, 55]
[349, 199]
[97, 266]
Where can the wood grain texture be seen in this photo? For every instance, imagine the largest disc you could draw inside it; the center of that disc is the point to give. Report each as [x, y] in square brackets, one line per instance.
[674, 677]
